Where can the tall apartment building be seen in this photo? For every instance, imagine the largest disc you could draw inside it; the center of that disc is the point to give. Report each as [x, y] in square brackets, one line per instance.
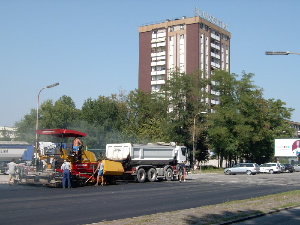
[190, 44]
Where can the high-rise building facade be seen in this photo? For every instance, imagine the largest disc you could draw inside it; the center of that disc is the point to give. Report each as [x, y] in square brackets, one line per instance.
[189, 44]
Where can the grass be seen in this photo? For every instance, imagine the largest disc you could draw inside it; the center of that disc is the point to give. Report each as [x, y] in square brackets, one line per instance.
[208, 169]
[220, 213]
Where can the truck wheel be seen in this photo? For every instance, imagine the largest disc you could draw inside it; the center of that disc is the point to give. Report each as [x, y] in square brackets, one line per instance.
[151, 174]
[169, 174]
[141, 175]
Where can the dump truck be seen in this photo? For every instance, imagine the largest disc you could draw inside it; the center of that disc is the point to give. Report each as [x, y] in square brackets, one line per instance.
[49, 156]
[144, 162]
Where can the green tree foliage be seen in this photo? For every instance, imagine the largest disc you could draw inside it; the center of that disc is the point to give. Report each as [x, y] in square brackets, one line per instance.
[146, 120]
[242, 127]
[104, 119]
[60, 115]
[26, 128]
[183, 95]
[244, 124]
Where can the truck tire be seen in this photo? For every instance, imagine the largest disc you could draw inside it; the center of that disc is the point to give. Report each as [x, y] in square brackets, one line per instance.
[169, 174]
[151, 174]
[141, 175]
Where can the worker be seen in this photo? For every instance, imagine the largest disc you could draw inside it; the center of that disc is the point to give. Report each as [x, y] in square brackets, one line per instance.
[12, 166]
[183, 171]
[76, 143]
[66, 168]
[100, 167]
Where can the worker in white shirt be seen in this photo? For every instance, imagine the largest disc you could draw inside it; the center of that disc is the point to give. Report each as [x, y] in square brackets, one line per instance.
[66, 168]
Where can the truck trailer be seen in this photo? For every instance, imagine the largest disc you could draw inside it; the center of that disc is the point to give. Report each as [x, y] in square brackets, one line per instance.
[144, 162]
[14, 150]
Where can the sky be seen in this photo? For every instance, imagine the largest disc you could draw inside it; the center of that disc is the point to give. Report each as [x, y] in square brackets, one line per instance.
[91, 47]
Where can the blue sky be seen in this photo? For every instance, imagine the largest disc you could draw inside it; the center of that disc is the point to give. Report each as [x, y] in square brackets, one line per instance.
[91, 47]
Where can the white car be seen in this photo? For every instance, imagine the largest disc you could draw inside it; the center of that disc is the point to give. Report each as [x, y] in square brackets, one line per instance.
[270, 168]
[297, 168]
[247, 168]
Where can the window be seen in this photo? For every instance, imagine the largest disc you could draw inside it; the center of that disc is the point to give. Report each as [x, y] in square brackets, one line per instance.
[181, 26]
[183, 151]
[171, 28]
[201, 25]
[182, 36]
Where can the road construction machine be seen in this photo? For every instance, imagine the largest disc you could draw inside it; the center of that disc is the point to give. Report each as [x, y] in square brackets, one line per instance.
[49, 156]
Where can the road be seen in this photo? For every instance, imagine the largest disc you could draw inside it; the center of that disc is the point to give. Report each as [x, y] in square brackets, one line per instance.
[25, 204]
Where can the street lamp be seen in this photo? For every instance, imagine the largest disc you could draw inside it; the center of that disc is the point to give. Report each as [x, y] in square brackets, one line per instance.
[281, 53]
[194, 150]
[37, 114]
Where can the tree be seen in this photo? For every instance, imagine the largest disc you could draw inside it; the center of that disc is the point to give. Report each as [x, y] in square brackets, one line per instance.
[60, 115]
[146, 117]
[105, 118]
[222, 122]
[26, 127]
[184, 94]
[244, 124]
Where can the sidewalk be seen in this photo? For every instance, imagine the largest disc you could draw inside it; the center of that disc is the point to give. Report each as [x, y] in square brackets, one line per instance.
[3, 178]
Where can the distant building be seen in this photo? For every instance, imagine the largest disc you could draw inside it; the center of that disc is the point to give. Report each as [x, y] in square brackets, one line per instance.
[296, 126]
[8, 132]
[189, 44]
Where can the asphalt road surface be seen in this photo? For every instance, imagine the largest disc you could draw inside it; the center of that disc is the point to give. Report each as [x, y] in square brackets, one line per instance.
[29, 204]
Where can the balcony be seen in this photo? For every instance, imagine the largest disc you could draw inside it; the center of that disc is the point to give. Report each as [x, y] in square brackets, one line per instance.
[160, 58]
[161, 72]
[158, 63]
[161, 63]
[158, 54]
[161, 44]
[215, 46]
[215, 36]
[215, 65]
[156, 40]
[215, 55]
[214, 102]
[153, 63]
[158, 82]
[160, 35]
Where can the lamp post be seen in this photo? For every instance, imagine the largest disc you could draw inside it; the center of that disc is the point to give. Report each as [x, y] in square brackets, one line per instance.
[194, 149]
[37, 114]
[281, 53]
